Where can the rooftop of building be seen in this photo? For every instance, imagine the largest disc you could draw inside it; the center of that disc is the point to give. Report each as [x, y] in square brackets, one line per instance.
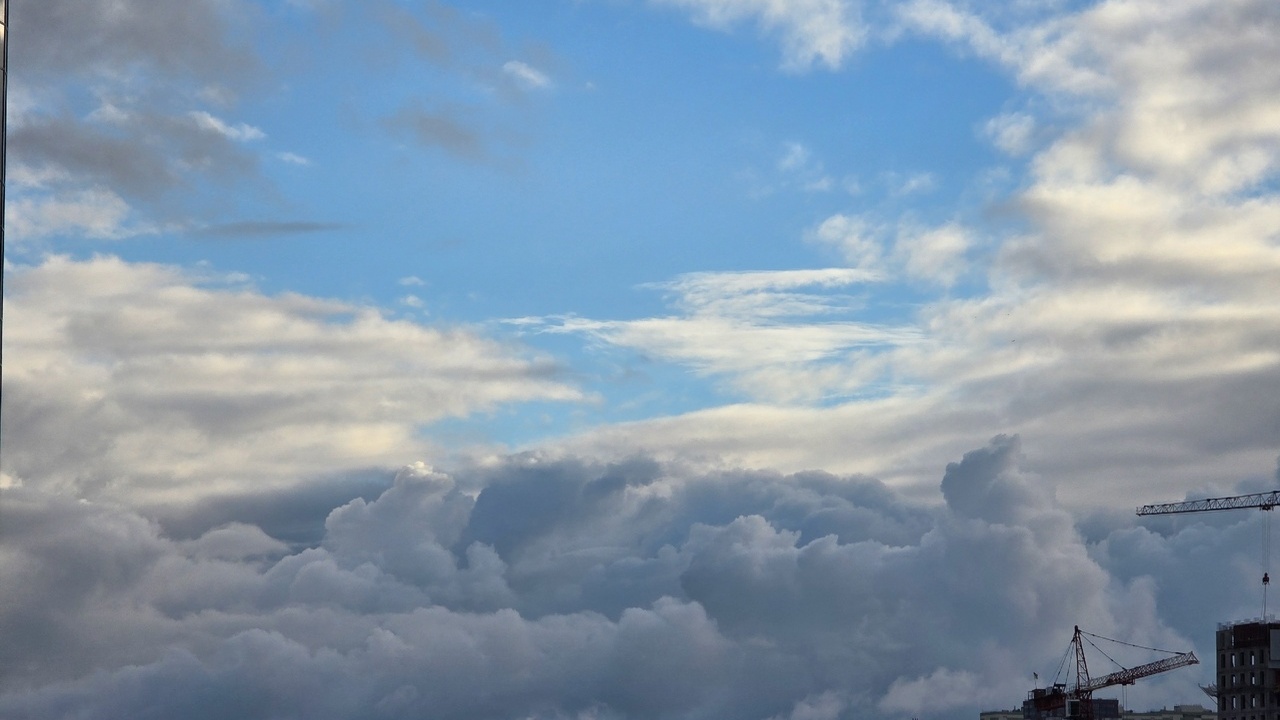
[1264, 620]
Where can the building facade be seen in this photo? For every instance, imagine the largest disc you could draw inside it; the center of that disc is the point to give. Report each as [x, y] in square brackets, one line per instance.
[1179, 712]
[1248, 665]
[1103, 708]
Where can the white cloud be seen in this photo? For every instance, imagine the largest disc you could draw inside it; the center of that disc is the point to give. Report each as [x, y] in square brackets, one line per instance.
[812, 31]
[762, 294]
[140, 381]
[943, 19]
[854, 237]
[1011, 132]
[97, 214]
[293, 158]
[239, 132]
[824, 706]
[764, 331]
[922, 182]
[800, 167]
[1188, 96]
[796, 157]
[1134, 313]
[935, 255]
[943, 690]
[527, 75]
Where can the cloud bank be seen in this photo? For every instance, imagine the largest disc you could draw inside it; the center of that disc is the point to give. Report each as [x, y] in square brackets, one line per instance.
[555, 588]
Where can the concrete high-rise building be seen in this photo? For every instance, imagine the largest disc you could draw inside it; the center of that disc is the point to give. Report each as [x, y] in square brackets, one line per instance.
[1249, 670]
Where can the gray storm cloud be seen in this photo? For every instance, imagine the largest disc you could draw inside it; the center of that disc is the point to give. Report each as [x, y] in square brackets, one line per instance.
[558, 588]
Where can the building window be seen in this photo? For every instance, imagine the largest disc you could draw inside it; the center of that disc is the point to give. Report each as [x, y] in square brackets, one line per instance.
[1253, 658]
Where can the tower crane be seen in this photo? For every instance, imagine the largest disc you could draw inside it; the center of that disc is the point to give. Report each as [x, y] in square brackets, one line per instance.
[1262, 501]
[1077, 701]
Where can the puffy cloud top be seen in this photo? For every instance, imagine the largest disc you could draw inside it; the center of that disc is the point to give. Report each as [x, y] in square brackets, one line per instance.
[554, 588]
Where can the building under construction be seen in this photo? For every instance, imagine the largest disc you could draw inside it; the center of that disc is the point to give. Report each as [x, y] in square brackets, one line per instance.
[1248, 670]
[1034, 707]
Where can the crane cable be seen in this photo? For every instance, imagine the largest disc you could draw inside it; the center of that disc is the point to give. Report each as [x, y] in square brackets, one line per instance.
[1266, 565]
[1132, 645]
[1104, 654]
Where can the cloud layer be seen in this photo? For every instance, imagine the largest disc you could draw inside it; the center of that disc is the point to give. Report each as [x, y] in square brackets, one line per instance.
[148, 384]
[536, 587]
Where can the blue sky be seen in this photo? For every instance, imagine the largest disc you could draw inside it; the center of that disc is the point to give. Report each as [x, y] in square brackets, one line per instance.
[589, 332]
[580, 186]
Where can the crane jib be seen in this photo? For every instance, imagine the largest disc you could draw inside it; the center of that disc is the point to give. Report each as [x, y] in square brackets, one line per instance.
[1127, 677]
[1262, 501]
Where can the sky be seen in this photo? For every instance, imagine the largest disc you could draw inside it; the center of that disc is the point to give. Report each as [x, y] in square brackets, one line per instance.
[622, 359]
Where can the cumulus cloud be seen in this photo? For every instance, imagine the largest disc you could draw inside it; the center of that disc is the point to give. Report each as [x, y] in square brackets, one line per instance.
[1011, 132]
[936, 255]
[856, 238]
[98, 214]
[143, 381]
[533, 586]
[1187, 97]
[811, 32]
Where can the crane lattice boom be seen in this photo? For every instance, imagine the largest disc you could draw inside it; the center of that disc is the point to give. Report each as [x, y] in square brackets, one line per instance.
[1127, 677]
[1262, 501]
